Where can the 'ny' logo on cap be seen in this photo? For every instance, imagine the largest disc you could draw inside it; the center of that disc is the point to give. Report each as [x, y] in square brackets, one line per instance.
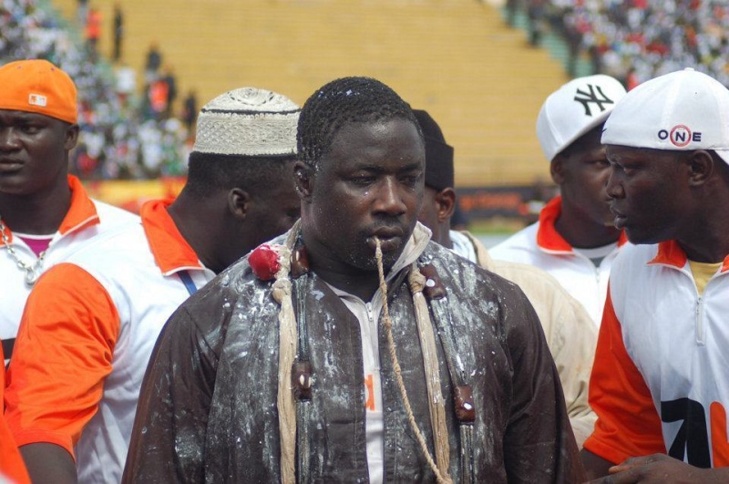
[599, 98]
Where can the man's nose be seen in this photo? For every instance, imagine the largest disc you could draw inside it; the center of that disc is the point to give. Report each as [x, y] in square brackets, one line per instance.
[389, 198]
[613, 187]
[8, 139]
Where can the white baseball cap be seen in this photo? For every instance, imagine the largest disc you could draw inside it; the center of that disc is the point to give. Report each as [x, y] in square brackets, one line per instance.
[681, 111]
[574, 109]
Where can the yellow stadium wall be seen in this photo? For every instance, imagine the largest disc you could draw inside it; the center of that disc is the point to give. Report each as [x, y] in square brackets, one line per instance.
[131, 194]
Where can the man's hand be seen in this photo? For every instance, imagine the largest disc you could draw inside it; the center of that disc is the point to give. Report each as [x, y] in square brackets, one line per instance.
[49, 463]
[659, 469]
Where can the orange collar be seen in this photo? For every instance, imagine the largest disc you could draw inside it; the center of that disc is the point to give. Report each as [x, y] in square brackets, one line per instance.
[170, 249]
[670, 253]
[81, 214]
[547, 236]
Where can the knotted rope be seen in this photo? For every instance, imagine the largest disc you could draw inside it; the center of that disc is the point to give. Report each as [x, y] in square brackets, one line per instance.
[286, 355]
[436, 402]
[441, 474]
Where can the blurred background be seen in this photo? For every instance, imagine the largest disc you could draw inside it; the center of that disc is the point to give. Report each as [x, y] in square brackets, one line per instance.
[481, 68]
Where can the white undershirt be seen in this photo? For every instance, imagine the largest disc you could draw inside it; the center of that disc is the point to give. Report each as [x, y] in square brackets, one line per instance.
[368, 314]
[597, 254]
[462, 246]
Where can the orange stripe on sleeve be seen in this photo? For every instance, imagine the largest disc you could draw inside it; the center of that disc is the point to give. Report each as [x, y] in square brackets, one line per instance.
[11, 463]
[719, 441]
[62, 355]
[628, 424]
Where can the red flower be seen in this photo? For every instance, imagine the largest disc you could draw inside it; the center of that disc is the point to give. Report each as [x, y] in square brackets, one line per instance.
[264, 261]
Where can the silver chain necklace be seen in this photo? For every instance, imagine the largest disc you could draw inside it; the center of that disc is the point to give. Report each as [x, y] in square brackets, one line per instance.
[32, 271]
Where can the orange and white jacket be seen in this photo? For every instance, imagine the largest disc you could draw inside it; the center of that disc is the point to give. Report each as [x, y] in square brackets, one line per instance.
[86, 218]
[86, 335]
[660, 380]
[12, 467]
[542, 246]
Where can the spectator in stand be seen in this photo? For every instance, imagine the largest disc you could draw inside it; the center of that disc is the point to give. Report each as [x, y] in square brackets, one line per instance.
[189, 110]
[169, 78]
[82, 9]
[91, 322]
[92, 31]
[537, 21]
[571, 334]
[118, 32]
[158, 92]
[152, 63]
[45, 214]
[660, 383]
[574, 240]
[126, 82]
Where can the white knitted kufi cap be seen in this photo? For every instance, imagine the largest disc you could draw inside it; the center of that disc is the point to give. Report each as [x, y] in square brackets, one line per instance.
[248, 122]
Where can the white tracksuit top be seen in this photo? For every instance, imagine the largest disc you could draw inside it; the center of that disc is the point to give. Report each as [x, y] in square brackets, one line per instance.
[660, 380]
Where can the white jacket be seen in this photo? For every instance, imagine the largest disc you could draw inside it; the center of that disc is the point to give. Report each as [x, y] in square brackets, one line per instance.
[660, 382]
[541, 246]
[86, 218]
[85, 339]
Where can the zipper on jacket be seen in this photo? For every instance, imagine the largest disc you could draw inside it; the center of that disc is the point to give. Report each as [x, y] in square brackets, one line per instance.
[368, 308]
[700, 321]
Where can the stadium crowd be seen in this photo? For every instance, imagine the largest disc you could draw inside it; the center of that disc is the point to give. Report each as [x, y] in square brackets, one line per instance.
[639, 39]
[120, 138]
[125, 136]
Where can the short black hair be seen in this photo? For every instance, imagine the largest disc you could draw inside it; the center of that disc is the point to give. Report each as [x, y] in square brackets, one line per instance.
[342, 101]
[209, 172]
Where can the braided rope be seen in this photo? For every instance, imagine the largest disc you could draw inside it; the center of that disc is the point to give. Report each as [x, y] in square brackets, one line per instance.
[287, 352]
[436, 402]
[398, 372]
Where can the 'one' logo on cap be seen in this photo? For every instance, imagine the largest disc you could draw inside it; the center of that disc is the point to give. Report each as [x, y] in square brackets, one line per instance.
[37, 100]
[679, 136]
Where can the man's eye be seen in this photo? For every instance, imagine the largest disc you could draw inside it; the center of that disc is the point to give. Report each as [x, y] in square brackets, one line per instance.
[621, 168]
[362, 180]
[29, 128]
[410, 180]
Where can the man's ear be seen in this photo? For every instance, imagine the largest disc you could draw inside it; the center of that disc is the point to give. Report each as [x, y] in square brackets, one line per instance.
[303, 179]
[701, 166]
[71, 137]
[239, 202]
[446, 200]
[556, 169]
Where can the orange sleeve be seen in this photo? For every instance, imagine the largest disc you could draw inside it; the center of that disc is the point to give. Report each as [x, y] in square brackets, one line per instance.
[627, 424]
[11, 463]
[63, 353]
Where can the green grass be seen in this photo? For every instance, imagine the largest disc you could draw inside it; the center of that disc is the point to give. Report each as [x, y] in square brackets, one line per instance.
[495, 226]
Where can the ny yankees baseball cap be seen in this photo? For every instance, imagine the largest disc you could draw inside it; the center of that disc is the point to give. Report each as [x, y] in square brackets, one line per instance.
[37, 86]
[684, 110]
[574, 109]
